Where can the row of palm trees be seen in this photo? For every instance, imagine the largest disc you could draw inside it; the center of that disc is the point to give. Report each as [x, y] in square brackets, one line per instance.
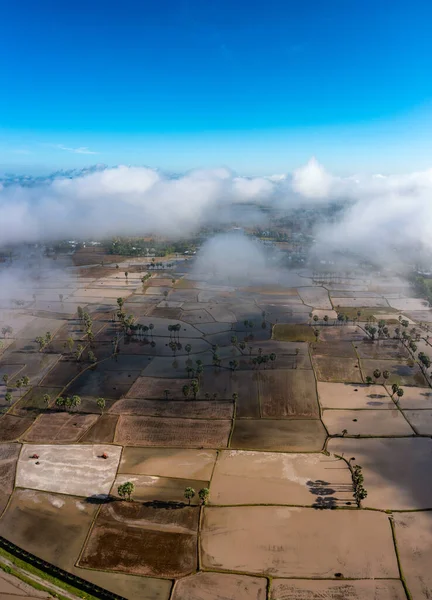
[126, 489]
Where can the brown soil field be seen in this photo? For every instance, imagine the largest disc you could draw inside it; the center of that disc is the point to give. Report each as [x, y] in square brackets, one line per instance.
[213, 328]
[420, 420]
[60, 427]
[132, 587]
[354, 302]
[165, 313]
[328, 368]
[139, 539]
[350, 395]
[32, 404]
[153, 388]
[150, 488]
[298, 542]
[416, 398]
[316, 297]
[8, 460]
[414, 539]
[166, 462]
[196, 317]
[37, 365]
[225, 384]
[395, 470]
[69, 469]
[383, 349]
[333, 349]
[288, 589]
[290, 435]
[95, 256]
[186, 433]
[192, 409]
[277, 478]
[400, 371]
[102, 432]
[341, 333]
[12, 428]
[103, 383]
[293, 333]
[220, 586]
[288, 394]
[62, 373]
[366, 422]
[51, 526]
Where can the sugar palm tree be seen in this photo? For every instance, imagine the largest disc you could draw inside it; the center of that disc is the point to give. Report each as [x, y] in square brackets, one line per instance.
[377, 374]
[203, 495]
[101, 404]
[189, 494]
[195, 387]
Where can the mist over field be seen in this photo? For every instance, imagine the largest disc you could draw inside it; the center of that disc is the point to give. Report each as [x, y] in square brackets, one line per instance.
[380, 212]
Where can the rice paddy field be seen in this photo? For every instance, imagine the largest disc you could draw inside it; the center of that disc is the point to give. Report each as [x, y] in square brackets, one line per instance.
[289, 402]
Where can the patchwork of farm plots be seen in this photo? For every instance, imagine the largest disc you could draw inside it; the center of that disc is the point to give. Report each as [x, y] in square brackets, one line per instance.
[265, 396]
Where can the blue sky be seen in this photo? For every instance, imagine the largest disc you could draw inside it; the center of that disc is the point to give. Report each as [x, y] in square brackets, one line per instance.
[259, 86]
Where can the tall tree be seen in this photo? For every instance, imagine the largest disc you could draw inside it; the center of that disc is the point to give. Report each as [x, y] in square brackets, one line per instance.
[125, 490]
[189, 494]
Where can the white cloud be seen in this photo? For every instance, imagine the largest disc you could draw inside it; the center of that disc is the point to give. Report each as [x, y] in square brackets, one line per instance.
[80, 150]
[383, 211]
[313, 181]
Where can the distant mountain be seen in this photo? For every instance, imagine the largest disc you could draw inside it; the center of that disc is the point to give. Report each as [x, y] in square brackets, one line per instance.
[30, 180]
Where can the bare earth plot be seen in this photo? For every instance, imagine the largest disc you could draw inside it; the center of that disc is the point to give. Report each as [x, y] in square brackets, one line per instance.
[60, 427]
[334, 349]
[225, 383]
[134, 538]
[167, 462]
[77, 470]
[395, 470]
[383, 349]
[286, 589]
[316, 297]
[276, 478]
[408, 303]
[103, 431]
[8, 459]
[131, 587]
[330, 368]
[220, 586]
[354, 302]
[414, 539]
[366, 422]
[298, 542]
[420, 420]
[154, 387]
[12, 428]
[349, 396]
[416, 398]
[52, 527]
[186, 433]
[296, 435]
[342, 333]
[193, 409]
[150, 488]
[288, 394]
[400, 371]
